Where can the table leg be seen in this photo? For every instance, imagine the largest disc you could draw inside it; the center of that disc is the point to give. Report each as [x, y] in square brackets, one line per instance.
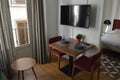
[70, 63]
[34, 73]
[22, 75]
[18, 75]
[68, 68]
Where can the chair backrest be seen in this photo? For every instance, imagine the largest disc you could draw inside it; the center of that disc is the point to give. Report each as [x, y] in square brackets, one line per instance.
[96, 57]
[54, 39]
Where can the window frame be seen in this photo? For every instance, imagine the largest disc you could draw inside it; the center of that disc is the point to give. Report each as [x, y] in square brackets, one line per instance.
[12, 3]
[28, 34]
[23, 22]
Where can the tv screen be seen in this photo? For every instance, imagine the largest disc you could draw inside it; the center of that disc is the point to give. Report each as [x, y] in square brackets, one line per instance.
[75, 15]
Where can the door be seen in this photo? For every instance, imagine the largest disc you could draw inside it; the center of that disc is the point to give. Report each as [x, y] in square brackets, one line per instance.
[22, 32]
[20, 28]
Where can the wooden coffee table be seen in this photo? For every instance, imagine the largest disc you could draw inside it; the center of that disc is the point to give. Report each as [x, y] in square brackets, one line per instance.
[23, 64]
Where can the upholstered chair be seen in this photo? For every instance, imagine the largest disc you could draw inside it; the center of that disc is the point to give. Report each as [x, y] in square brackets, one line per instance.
[88, 64]
[54, 51]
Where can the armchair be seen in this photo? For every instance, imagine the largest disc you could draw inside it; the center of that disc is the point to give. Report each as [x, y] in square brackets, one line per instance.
[88, 64]
[54, 51]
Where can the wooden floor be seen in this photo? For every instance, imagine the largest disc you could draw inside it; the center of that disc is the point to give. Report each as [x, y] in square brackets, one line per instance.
[49, 71]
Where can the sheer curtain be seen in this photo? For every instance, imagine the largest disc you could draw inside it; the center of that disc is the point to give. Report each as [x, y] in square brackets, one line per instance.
[38, 30]
[6, 50]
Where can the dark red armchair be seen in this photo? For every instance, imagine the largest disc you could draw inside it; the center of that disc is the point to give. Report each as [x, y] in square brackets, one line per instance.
[54, 51]
[88, 64]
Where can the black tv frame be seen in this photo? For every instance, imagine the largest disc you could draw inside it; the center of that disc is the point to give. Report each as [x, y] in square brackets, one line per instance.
[67, 15]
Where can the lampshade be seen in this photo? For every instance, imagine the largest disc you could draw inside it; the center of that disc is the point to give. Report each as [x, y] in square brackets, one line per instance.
[107, 22]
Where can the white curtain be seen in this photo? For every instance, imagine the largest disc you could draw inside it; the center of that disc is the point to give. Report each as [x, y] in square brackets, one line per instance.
[7, 50]
[38, 30]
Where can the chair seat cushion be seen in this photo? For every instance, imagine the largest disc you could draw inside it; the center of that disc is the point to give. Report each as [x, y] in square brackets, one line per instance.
[83, 62]
[56, 52]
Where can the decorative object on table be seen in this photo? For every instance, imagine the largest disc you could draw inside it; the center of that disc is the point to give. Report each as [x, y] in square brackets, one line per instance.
[107, 23]
[79, 46]
[64, 40]
[79, 37]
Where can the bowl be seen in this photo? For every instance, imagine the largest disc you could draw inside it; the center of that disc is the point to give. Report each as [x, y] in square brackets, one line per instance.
[79, 46]
[64, 42]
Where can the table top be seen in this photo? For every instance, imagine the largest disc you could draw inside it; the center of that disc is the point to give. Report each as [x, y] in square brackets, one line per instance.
[66, 48]
[22, 64]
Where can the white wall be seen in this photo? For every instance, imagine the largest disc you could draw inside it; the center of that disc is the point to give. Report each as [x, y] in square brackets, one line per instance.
[52, 17]
[111, 12]
[118, 7]
[107, 12]
[93, 33]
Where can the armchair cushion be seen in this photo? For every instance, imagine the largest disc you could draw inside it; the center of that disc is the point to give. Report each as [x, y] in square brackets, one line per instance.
[55, 39]
[56, 52]
[83, 62]
[87, 63]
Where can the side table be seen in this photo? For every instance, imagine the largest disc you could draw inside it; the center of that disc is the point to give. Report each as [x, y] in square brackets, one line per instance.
[23, 64]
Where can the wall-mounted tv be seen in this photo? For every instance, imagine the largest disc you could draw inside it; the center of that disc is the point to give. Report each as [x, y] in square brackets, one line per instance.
[75, 15]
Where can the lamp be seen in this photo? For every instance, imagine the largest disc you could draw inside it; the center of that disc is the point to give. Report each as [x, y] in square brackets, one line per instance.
[107, 22]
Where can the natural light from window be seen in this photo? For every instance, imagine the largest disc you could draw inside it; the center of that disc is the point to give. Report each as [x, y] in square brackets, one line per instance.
[19, 22]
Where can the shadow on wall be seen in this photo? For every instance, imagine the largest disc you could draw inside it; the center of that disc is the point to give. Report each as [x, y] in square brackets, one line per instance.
[93, 15]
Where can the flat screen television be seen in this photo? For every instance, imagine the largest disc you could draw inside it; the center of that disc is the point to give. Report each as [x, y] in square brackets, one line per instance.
[75, 15]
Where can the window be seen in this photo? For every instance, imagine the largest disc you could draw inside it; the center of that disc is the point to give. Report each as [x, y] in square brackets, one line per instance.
[19, 22]
[22, 32]
[17, 1]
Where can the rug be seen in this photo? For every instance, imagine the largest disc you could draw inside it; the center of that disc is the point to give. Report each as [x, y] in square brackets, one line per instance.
[110, 64]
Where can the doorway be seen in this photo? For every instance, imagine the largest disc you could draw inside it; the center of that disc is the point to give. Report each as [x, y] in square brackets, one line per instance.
[20, 29]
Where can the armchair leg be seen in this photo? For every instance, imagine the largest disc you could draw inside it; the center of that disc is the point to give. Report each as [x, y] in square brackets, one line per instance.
[50, 57]
[98, 76]
[58, 62]
[91, 75]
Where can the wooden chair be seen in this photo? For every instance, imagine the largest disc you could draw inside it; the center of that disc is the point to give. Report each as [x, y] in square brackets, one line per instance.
[54, 51]
[88, 64]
